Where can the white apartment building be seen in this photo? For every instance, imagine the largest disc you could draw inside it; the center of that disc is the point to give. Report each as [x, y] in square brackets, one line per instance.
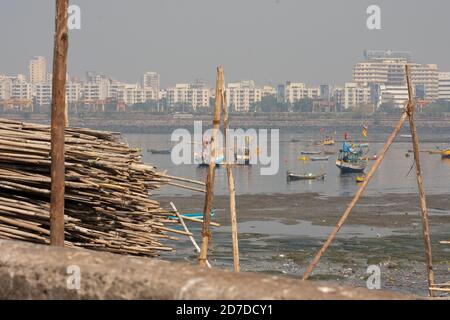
[268, 91]
[151, 80]
[241, 95]
[74, 91]
[444, 86]
[131, 94]
[43, 93]
[352, 95]
[192, 95]
[21, 90]
[5, 87]
[94, 91]
[395, 95]
[296, 91]
[37, 70]
[388, 68]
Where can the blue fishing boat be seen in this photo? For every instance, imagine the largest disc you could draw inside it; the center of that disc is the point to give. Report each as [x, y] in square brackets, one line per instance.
[352, 157]
[195, 215]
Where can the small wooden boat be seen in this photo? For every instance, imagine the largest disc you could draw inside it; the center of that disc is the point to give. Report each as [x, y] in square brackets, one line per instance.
[360, 179]
[310, 152]
[196, 215]
[155, 151]
[309, 176]
[326, 158]
[303, 158]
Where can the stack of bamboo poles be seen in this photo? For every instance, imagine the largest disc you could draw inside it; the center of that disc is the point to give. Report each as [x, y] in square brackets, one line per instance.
[107, 203]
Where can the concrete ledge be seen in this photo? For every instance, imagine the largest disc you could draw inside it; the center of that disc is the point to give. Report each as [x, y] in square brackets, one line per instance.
[29, 271]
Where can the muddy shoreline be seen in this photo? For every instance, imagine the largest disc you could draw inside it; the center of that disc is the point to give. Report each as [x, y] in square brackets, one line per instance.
[280, 233]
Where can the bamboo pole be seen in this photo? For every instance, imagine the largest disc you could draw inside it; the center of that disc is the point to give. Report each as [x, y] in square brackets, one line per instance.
[422, 196]
[209, 197]
[357, 196]
[187, 230]
[231, 188]
[61, 43]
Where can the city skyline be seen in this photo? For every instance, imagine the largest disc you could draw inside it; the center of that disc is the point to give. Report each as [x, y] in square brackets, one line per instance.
[268, 41]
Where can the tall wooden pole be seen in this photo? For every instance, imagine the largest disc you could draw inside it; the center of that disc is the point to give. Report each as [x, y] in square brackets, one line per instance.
[422, 197]
[358, 195]
[231, 186]
[209, 197]
[61, 44]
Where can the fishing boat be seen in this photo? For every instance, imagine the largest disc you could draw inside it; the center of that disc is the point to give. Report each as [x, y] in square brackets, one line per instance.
[352, 157]
[325, 158]
[303, 158]
[196, 215]
[445, 153]
[360, 179]
[326, 142]
[155, 151]
[309, 176]
[205, 163]
[310, 152]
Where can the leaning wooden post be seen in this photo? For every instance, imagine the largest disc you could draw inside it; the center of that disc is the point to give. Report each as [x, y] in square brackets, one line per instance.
[423, 202]
[231, 186]
[358, 195]
[187, 231]
[61, 42]
[206, 232]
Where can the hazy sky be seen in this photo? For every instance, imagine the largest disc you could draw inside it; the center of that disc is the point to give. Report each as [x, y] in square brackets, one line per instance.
[315, 41]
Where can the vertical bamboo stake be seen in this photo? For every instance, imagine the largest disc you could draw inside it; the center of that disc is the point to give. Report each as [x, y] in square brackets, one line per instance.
[358, 195]
[58, 123]
[231, 186]
[209, 197]
[187, 230]
[423, 202]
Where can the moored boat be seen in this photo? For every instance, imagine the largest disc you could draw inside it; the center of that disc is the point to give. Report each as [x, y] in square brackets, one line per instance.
[320, 158]
[445, 153]
[352, 158]
[309, 176]
[310, 152]
[155, 151]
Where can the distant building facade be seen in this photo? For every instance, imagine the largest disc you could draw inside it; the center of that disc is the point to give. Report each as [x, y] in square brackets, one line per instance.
[37, 70]
[242, 95]
[388, 68]
[444, 86]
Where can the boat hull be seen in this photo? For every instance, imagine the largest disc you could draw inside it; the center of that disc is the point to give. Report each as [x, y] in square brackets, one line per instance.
[445, 154]
[346, 167]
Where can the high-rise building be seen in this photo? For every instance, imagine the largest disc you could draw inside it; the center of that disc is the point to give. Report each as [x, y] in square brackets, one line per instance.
[151, 79]
[5, 88]
[352, 95]
[388, 68]
[296, 91]
[192, 95]
[43, 93]
[242, 95]
[21, 90]
[444, 86]
[38, 70]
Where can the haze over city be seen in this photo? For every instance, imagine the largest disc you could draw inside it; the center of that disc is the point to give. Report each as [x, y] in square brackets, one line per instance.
[269, 41]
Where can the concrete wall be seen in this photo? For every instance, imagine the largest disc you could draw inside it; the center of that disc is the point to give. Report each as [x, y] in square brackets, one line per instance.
[29, 271]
